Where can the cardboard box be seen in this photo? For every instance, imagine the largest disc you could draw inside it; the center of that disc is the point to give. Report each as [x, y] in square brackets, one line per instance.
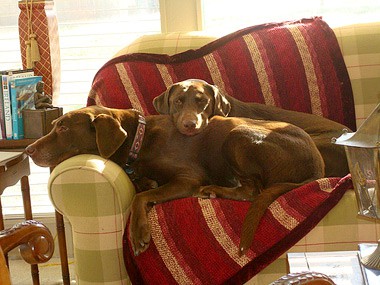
[37, 123]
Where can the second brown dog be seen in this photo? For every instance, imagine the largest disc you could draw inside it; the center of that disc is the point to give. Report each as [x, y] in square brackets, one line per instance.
[191, 103]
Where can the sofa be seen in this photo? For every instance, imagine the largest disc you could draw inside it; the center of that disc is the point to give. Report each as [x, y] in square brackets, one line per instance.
[94, 193]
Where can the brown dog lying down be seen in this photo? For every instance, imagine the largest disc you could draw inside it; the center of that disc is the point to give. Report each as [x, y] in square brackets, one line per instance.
[192, 102]
[248, 160]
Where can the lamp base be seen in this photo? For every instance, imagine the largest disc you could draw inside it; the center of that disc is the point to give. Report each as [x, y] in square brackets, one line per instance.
[372, 261]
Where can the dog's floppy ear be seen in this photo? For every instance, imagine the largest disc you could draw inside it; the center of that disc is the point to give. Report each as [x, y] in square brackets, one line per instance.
[109, 134]
[161, 102]
[222, 106]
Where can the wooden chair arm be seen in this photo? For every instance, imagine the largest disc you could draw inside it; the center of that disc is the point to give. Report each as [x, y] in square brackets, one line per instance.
[35, 241]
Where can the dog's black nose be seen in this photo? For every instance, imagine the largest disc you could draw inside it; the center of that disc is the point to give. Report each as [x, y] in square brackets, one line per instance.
[189, 124]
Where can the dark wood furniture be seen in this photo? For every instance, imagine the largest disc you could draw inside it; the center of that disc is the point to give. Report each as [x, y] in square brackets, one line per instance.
[18, 169]
[36, 246]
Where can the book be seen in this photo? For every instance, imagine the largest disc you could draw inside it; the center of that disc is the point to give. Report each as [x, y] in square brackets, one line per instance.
[1, 132]
[2, 118]
[6, 76]
[6, 106]
[22, 97]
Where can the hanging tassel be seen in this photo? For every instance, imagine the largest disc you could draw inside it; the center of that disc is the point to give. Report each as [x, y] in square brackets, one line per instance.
[34, 50]
[29, 63]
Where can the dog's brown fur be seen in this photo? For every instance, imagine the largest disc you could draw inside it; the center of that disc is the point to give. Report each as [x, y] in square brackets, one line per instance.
[192, 102]
[248, 160]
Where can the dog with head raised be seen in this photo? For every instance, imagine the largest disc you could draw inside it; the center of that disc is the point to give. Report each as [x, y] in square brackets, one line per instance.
[191, 103]
[234, 158]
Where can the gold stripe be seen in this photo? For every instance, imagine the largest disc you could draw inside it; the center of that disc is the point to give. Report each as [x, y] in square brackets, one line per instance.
[286, 220]
[168, 80]
[216, 76]
[261, 71]
[309, 70]
[94, 95]
[219, 233]
[325, 185]
[165, 251]
[123, 74]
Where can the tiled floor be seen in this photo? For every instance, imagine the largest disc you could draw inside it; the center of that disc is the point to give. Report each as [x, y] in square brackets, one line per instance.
[50, 272]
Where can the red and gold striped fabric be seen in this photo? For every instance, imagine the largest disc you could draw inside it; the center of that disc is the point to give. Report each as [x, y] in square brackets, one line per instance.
[195, 241]
[293, 65]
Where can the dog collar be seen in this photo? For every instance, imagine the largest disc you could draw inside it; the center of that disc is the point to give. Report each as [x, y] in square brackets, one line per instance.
[136, 145]
[137, 141]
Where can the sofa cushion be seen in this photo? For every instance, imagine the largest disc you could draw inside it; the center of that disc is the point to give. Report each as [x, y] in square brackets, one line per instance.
[168, 43]
[293, 65]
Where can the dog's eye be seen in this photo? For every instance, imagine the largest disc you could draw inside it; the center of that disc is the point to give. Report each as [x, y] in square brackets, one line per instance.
[178, 102]
[201, 100]
[62, 129]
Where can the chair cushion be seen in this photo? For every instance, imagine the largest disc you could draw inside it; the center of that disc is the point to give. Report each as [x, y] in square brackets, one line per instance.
[293, 65]
[168, 43]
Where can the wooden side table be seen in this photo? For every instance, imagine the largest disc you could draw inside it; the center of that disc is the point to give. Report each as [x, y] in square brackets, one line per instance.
[14, 166]
[343, 267]
[15, 145]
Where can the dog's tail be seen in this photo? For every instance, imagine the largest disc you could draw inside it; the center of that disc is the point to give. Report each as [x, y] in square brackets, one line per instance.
[257, 210]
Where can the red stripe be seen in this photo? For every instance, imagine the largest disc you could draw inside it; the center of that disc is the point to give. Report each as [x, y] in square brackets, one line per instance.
[229, 229]
[244, 83]
[223, 73]
[343, 102]
[190, 232]
[328, 79]
[148, 82]
[290, 65]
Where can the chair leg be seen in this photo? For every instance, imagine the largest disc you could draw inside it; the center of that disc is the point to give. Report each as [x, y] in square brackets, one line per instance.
[1, 228]
[25, 190]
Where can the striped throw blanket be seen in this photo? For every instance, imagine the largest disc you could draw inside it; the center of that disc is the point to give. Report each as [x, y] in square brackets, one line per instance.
[195, 241]
[292, 65]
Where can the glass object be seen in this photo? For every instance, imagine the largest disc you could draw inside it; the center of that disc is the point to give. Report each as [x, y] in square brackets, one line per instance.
[363, 154]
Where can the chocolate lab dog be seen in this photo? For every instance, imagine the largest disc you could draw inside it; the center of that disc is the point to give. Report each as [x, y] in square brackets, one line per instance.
[191, 103]
[232, 158]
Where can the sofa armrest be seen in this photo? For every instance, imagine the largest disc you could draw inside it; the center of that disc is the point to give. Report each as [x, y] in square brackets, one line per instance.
[94, 194]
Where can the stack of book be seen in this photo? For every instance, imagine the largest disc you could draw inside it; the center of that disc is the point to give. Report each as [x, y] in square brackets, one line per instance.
[16, 94]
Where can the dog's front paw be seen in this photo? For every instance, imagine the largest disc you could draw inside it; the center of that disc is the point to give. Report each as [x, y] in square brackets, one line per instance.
[139, 229]
[140, 238]
[206, 192]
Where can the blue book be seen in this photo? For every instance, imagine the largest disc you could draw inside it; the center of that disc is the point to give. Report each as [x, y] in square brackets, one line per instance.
[22, 97]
